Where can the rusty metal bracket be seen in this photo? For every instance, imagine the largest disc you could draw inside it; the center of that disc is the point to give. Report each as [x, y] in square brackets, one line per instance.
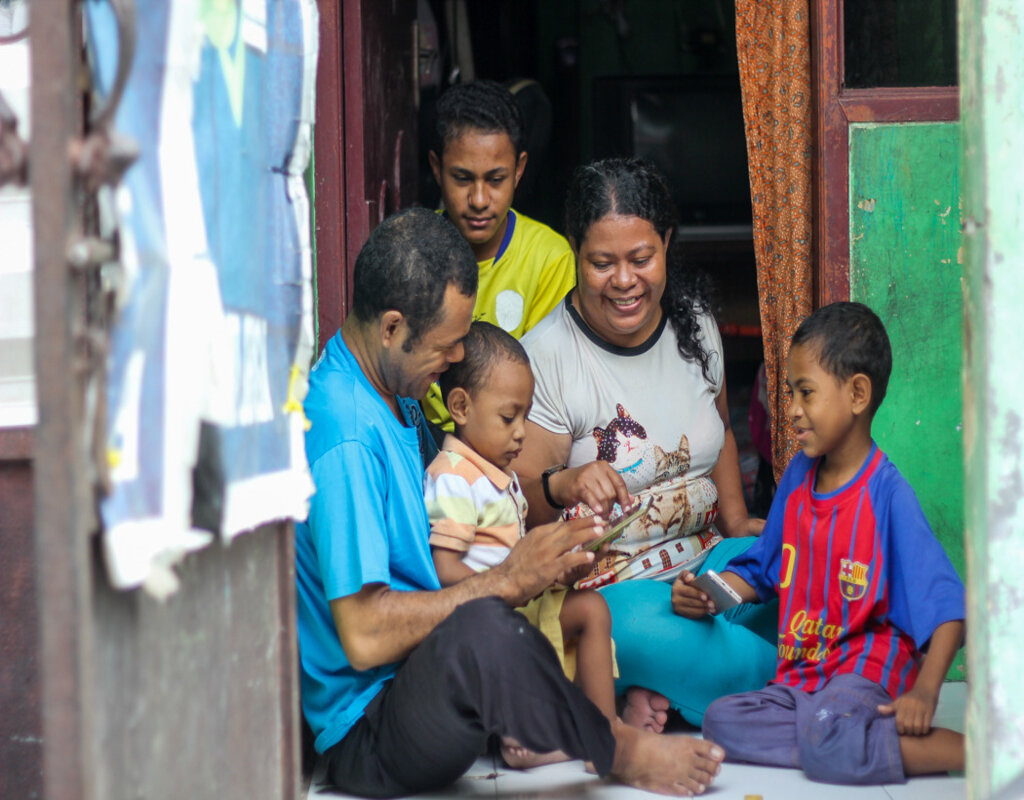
[124, 13]
[104, 155]
[90, 252]
[100, 159]
[13, 149]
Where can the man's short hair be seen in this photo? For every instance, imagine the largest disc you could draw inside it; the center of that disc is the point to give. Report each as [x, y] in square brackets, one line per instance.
[407, 265]
[850, 338]
[485, 346]
[484, 106]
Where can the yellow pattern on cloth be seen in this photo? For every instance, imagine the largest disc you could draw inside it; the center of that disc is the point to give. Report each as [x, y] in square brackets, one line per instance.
[543, 613]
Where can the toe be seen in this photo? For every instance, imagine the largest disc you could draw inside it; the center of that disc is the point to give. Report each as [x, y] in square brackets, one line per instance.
[659, 702]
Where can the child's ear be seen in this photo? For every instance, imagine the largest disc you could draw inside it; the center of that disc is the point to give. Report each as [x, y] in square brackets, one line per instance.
[458, 405]
[435, 166]
[860, 388]
[520, 167]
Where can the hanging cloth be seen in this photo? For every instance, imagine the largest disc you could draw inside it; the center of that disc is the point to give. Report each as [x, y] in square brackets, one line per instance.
[773, 46]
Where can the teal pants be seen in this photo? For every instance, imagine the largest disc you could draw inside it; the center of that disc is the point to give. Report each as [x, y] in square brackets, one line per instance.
[691, 662]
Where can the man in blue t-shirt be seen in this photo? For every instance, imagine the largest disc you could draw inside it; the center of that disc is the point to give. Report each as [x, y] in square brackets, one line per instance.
[404, 682]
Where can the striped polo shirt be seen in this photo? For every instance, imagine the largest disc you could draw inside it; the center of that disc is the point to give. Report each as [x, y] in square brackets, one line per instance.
[474, 507]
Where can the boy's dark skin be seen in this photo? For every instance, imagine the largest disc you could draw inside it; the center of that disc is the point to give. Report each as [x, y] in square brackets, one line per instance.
[832, 419]
[478, 172]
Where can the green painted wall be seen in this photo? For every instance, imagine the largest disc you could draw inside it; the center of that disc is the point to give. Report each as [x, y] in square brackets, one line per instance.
[904, 245]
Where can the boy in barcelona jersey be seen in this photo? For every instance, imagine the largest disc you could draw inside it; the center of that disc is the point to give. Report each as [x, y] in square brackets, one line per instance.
[870, 608]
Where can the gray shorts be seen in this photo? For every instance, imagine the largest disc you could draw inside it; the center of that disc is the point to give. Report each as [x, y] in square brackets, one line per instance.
[835, 735]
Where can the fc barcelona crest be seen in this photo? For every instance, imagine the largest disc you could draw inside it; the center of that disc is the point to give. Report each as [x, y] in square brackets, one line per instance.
[853, 579]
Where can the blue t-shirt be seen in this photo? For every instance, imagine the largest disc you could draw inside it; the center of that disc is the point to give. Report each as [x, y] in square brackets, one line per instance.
[367, 524]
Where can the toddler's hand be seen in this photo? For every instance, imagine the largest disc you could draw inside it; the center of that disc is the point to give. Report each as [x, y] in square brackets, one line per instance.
[914, 711]
[689, 601]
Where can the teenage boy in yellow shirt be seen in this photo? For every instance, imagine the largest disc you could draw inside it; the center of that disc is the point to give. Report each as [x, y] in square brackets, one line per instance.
[478, 160]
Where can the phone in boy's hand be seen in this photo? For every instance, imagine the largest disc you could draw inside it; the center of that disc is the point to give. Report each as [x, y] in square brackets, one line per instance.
[718, 591]
[618, 525]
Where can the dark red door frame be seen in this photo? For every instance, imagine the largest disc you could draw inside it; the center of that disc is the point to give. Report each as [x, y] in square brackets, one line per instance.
[332, 289]
[837, 108]
[366, 137]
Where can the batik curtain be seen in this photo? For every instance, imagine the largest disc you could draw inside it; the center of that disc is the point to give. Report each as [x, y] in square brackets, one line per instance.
[773, 45]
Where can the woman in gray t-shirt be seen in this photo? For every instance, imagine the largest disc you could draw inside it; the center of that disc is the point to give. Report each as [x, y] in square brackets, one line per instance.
[631, 401]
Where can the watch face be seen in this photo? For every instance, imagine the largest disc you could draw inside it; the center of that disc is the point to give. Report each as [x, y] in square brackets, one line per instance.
[13, 20]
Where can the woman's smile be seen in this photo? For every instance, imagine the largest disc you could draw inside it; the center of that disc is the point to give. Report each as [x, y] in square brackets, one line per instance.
[622, 275]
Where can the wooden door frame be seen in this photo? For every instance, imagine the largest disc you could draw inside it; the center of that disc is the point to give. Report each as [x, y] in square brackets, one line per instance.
[342, 216]
[358, 169]
[838, 108]
[333, 291]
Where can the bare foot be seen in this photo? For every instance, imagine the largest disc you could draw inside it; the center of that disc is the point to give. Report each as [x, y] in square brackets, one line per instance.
[645, 709]
[675, 765]
[519, 757]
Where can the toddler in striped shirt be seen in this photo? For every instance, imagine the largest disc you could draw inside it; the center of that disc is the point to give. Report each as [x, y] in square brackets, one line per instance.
[478, 511]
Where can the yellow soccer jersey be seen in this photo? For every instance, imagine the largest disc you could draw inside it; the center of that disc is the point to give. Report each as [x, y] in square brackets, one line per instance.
[533, 270]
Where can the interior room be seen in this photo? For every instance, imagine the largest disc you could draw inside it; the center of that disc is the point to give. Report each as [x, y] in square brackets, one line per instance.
[651, 78]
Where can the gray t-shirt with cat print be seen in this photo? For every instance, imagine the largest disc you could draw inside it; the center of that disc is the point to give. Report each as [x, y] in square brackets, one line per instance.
[644, 409]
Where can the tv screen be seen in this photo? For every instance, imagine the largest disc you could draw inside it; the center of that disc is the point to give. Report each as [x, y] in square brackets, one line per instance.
[690, 127]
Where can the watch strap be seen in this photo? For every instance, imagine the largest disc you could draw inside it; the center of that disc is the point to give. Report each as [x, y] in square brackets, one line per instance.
[544, 478]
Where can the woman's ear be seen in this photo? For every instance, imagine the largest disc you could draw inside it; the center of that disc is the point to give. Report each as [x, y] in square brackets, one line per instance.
[458, 405]
[860, 387]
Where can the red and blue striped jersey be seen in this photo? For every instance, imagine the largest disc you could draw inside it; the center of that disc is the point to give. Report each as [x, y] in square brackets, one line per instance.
[861, 579]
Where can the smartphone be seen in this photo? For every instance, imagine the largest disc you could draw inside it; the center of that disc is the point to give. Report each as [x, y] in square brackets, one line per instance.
[618, 525]
[718, 591]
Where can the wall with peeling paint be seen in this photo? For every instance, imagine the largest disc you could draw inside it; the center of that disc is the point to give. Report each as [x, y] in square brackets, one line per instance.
[992, 114]
[904, 263]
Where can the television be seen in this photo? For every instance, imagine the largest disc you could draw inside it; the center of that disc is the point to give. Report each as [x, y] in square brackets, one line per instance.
[691, 128]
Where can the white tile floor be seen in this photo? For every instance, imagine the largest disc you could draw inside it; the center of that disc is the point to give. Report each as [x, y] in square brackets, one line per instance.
[736, 781]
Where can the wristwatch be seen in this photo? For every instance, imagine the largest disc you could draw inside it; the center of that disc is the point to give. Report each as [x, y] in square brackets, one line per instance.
[544, 477]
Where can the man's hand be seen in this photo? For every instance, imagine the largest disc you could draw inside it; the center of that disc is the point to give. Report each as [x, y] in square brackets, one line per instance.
[597, 484]
[546, 554]
[689, 601]
[379, 626]
[914, 711]
[569, 577]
